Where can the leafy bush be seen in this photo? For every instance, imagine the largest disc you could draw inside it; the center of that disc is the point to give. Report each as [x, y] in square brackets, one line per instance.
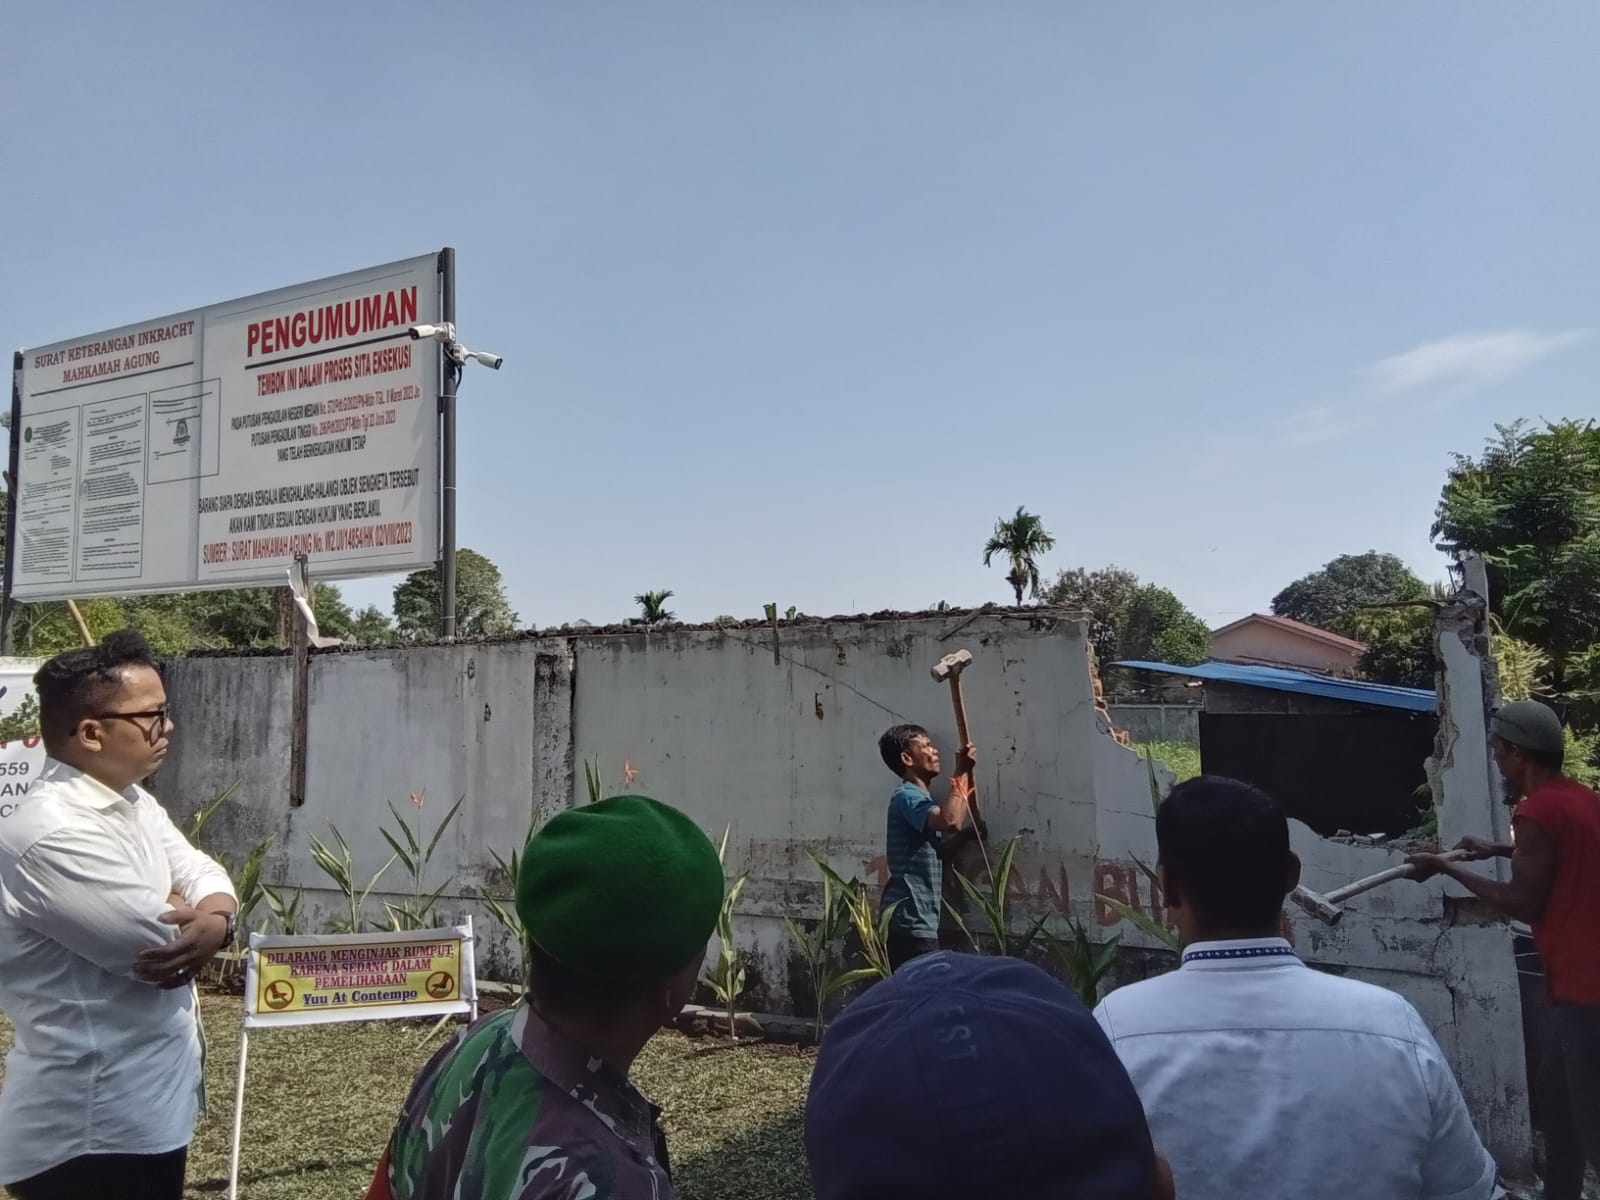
[1182, 757]
[817, 945]
[872, 931]
[504, 910]
[1084, 962]
[727, 974]
[339, 866]
[991, 906]
[416, 910]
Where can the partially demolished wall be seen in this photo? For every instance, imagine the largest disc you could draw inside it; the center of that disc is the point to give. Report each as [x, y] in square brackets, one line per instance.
[771, 734]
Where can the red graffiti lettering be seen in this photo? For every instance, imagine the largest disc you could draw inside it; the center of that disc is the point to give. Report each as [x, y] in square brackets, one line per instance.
[1017, 889]
[1055, 895]
[1108, 881]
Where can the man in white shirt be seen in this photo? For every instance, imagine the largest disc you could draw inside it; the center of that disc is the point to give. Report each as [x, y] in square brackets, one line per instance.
[1259, 1075]
[106, 913]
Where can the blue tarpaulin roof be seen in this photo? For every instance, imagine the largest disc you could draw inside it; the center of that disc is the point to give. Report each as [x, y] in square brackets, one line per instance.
[1283, 679]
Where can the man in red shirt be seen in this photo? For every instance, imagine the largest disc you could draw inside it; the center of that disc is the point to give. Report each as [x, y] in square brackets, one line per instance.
[1554, 887]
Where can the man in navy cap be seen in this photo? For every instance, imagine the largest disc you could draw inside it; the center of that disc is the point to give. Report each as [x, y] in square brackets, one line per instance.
[967, 1077]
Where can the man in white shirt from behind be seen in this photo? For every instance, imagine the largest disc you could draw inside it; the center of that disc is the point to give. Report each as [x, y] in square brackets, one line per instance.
[1259, 1075]
[106, 913]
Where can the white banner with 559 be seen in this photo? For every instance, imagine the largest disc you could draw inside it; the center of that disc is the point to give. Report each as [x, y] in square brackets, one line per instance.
[21, 759]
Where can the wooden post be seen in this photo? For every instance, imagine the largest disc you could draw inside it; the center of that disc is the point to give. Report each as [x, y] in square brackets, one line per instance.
[288, 619]
[302, 676]
[83, 626]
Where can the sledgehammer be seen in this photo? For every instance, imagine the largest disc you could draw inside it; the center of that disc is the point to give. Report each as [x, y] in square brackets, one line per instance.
[948, 670]
[1326, 907]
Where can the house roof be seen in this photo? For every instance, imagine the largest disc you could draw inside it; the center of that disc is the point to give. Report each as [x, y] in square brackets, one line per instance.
[1299, 627]
[1306, 683]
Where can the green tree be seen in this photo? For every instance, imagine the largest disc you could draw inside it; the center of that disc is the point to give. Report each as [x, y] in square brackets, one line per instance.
[1154, 626]
[229, 619]
[482, 609]
[234, 618]
[1523, 671]
[1101, 594]
[653, 607]
[22, 723]
[167, 626]
[46, 627]
[178, 622]
[334, 618]
[1530, 505]
[1020, 540]
[372, 627]
[1329, 598]
[1399, 640]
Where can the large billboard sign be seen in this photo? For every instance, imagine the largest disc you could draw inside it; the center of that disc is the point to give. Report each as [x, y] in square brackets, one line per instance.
[212, 448]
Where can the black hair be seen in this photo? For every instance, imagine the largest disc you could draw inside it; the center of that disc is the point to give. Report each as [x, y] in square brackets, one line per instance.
[558, 989]
[77, 684]
[1225, 848]
[895, 742]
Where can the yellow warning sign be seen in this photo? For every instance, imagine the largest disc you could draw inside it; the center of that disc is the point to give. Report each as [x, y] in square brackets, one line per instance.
[297, 980]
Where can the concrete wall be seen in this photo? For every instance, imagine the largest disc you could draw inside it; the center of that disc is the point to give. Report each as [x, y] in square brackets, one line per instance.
[778, 745]
[1158, 722]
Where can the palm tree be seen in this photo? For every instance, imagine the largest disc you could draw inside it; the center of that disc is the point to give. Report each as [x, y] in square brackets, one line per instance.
[1020, 539]
[653, 607]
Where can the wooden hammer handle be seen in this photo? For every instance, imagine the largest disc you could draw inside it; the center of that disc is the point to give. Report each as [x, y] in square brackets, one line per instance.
[979, 826]
[963, 737]
[1403, 871]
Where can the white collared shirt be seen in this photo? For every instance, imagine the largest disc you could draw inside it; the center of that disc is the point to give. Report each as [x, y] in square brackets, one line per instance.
[103, 1063]
[1263, 1077]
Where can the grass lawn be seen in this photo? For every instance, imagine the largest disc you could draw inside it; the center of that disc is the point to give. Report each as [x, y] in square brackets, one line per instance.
[1182, 757]
[320, 1103]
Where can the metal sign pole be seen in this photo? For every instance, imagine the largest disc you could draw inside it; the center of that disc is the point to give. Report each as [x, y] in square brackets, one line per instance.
[8, 606]
[238, 1115]
[447, 454]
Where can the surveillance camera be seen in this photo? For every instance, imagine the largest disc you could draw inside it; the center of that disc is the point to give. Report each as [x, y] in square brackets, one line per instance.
[483, 358]
[439, 333]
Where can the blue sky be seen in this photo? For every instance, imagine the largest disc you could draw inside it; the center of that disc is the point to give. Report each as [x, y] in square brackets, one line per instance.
[796, 299]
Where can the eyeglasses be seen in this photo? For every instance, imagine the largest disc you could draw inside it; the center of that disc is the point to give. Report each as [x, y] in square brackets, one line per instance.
[159, 719]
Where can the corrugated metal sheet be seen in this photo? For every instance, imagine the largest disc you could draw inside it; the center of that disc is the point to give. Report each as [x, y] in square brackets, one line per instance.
[1283, 679]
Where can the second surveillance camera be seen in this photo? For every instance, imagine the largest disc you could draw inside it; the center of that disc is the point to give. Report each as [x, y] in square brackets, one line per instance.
[483, 358]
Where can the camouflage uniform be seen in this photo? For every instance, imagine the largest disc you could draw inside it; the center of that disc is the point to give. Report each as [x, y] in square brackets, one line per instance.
[513, 1110]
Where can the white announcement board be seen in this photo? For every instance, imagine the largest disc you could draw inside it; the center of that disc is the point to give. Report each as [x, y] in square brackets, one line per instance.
[210, 448]
[22, 759]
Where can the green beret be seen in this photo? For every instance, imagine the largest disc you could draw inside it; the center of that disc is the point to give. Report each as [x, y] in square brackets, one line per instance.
[625, 890]
[1529, 724]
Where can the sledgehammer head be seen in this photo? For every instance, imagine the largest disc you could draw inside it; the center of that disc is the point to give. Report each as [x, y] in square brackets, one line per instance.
[1318, 905]
[951, 665]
